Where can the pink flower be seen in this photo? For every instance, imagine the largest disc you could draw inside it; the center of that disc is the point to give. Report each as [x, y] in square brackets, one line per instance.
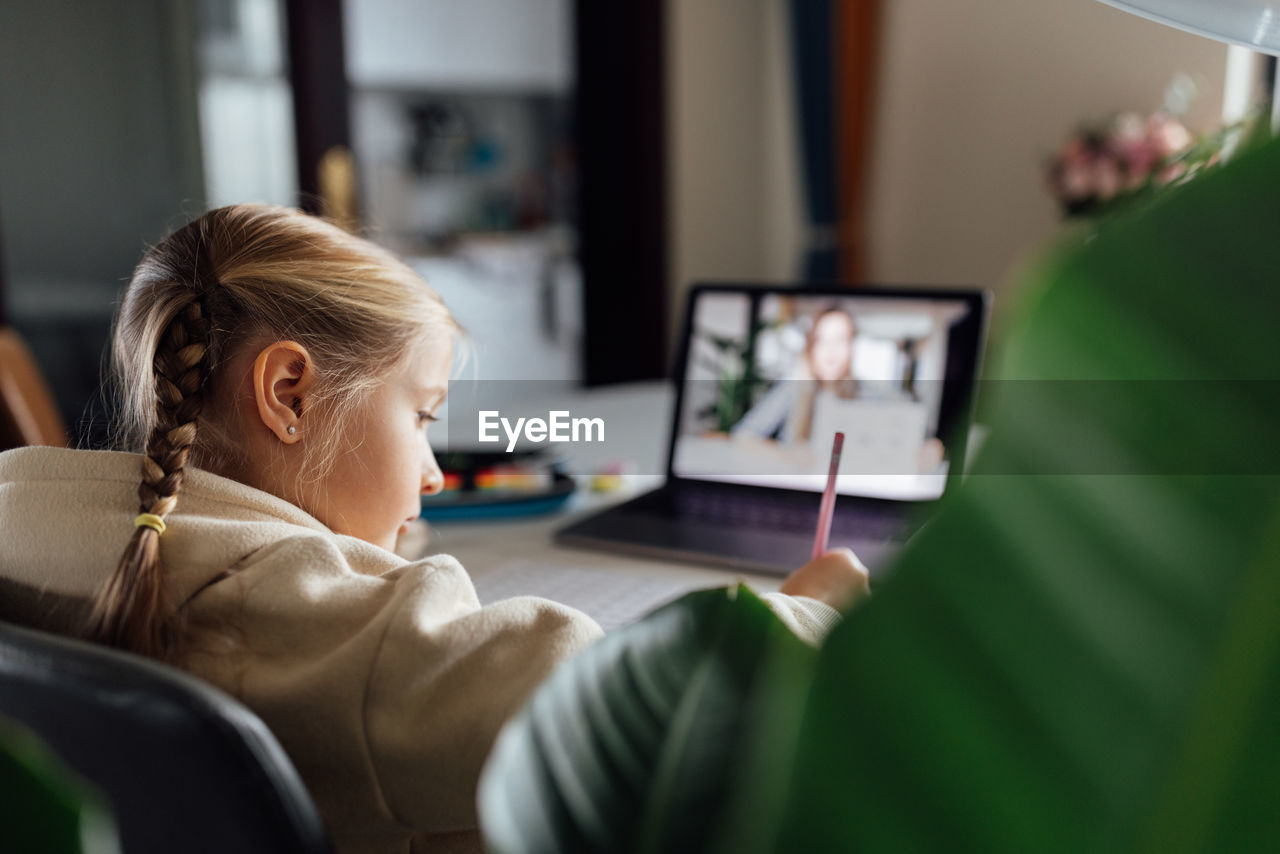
[1106, 177]
[1168, 135]
[1130, 129]
[1106, 164]
[1075, 180]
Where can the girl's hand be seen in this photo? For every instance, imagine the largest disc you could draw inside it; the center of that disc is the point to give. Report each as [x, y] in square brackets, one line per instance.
[837, 578]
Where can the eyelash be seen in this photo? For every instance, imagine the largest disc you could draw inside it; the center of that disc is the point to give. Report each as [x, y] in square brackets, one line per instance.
[424, 417]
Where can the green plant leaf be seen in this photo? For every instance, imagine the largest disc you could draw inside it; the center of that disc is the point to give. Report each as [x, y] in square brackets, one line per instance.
[633, 744]
[44, 806]
[1086, 661]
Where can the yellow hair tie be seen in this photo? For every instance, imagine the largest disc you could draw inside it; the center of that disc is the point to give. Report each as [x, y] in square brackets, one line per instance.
[150, 520]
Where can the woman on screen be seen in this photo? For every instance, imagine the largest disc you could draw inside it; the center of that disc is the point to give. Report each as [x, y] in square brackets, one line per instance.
[814, 402]
[787, 411]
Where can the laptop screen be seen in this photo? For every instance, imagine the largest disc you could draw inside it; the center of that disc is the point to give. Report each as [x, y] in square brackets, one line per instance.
[770, 376]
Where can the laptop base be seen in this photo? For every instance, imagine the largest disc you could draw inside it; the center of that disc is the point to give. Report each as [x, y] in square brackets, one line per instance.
[649, 526]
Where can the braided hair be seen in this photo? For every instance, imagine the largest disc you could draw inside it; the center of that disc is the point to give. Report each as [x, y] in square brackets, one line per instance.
[233, 277]
[134, 611]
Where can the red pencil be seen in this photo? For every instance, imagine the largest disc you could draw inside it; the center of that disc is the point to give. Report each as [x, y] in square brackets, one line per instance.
[828, 507]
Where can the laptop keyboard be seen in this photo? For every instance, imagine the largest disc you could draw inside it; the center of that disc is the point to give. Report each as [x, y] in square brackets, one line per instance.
[785, 513]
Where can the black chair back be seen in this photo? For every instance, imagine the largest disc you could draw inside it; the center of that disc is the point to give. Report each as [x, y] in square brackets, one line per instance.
[184, 766]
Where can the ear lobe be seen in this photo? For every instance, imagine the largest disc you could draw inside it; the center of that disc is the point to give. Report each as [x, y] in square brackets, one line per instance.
[283, 376]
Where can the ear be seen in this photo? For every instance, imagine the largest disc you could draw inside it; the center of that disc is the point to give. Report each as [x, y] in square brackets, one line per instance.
[283, 376]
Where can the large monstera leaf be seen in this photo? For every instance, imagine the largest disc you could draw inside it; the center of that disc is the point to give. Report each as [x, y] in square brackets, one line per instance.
[1082, 652]
[634, 745]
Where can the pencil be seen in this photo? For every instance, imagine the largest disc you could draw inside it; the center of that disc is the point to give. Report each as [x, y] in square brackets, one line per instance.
[828, 507]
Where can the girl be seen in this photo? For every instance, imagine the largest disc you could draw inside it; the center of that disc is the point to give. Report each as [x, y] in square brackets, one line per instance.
[279, 375]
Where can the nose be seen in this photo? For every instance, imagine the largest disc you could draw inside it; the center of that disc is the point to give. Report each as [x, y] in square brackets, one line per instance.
[432, 477]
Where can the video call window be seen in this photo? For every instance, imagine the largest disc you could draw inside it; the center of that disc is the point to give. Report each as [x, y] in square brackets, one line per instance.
[770, 381]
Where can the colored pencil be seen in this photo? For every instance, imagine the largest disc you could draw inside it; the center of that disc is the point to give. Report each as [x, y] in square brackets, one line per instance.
[828, 506]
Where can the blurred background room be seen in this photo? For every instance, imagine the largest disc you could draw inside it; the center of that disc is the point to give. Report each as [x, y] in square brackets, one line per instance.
[559, 170]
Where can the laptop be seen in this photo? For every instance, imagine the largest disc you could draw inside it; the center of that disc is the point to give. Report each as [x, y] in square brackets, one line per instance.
[765, 377]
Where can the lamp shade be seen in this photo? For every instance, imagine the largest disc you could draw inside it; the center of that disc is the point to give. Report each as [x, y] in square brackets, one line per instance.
[1252, 23]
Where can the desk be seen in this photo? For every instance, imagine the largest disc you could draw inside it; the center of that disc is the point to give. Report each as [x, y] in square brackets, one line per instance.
[517, 557]
[485, 546]
[504, 545]
[507, 558]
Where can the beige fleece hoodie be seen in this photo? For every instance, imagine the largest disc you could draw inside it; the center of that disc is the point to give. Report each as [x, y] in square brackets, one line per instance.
[384, 680]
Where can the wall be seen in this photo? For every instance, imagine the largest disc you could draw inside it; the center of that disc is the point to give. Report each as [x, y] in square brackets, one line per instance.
[99, 145]
[973, 96]
[99, 156]
[734, 212]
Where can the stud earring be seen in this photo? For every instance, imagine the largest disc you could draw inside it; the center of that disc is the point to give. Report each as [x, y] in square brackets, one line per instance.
[291, 430]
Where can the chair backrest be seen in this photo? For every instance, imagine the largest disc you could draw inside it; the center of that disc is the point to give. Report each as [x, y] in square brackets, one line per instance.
[184, 766]
[28, 415]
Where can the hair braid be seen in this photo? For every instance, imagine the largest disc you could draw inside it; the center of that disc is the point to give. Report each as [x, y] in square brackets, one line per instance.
[134, 611]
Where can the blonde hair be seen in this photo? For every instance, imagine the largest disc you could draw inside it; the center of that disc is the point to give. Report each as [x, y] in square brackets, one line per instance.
[236, 276]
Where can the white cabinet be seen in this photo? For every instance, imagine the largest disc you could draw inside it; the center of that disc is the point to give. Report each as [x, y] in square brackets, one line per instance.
[508, 45]
[519, 299]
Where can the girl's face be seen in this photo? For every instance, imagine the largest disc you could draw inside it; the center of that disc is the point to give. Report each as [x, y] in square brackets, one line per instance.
[373, 489]
[831, 356]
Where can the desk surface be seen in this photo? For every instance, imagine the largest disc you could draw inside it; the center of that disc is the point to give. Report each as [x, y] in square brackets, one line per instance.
[484, 546]
[491, 545]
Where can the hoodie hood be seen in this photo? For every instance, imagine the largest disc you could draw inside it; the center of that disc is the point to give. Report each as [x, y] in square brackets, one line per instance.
[66, 516]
